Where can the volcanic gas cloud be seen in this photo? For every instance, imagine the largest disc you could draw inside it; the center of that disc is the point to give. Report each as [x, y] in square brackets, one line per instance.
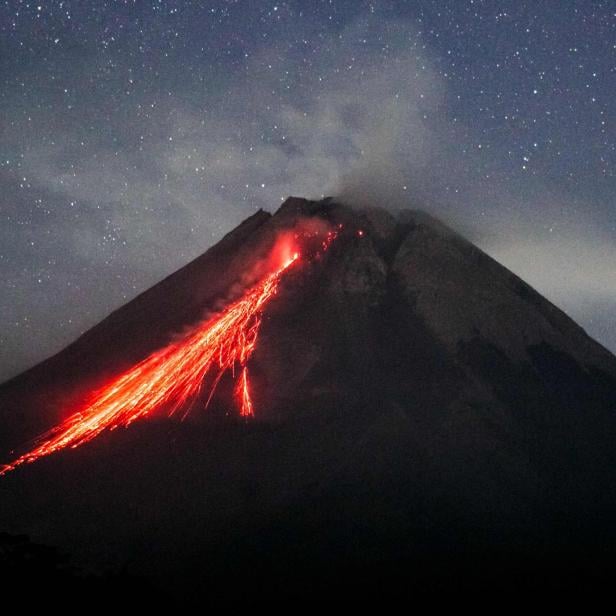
[173, 376]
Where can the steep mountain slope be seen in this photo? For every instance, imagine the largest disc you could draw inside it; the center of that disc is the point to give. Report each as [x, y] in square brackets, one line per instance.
[418, 408]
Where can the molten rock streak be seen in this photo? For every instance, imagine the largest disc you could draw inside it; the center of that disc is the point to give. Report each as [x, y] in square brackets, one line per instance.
[172, 377]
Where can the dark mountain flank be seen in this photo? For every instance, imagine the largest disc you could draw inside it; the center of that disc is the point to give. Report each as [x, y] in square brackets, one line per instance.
[425, 421]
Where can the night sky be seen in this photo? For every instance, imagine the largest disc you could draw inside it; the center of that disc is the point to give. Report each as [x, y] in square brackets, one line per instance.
[135, 134]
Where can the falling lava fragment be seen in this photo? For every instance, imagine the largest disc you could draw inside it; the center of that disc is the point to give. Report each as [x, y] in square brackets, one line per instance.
[172, 376]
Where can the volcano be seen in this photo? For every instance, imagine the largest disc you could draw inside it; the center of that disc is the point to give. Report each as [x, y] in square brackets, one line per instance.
[389, 411]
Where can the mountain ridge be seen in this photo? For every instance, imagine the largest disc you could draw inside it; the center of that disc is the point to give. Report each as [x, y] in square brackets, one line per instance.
[436, 269]
[419, 409]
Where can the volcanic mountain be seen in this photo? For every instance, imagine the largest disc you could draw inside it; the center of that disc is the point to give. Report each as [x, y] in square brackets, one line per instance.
[407, 406]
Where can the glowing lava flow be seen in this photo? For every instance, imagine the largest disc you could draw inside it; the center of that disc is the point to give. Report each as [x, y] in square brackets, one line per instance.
[172, 376]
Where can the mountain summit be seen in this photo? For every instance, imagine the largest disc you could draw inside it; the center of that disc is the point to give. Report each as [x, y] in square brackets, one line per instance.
[413, 399]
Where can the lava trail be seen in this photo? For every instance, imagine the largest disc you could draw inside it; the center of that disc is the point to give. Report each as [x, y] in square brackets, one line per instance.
[171, 377]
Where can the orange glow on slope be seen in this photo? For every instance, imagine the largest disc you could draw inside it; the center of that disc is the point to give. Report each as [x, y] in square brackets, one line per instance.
[243, 394]
[173, 376]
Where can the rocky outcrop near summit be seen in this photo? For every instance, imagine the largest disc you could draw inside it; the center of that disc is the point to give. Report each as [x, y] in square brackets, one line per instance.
[411, 306]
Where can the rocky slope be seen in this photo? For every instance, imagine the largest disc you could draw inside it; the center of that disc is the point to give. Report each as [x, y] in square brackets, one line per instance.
[419, 408]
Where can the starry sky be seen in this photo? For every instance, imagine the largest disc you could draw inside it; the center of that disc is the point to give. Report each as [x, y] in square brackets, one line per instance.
[134, 134]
